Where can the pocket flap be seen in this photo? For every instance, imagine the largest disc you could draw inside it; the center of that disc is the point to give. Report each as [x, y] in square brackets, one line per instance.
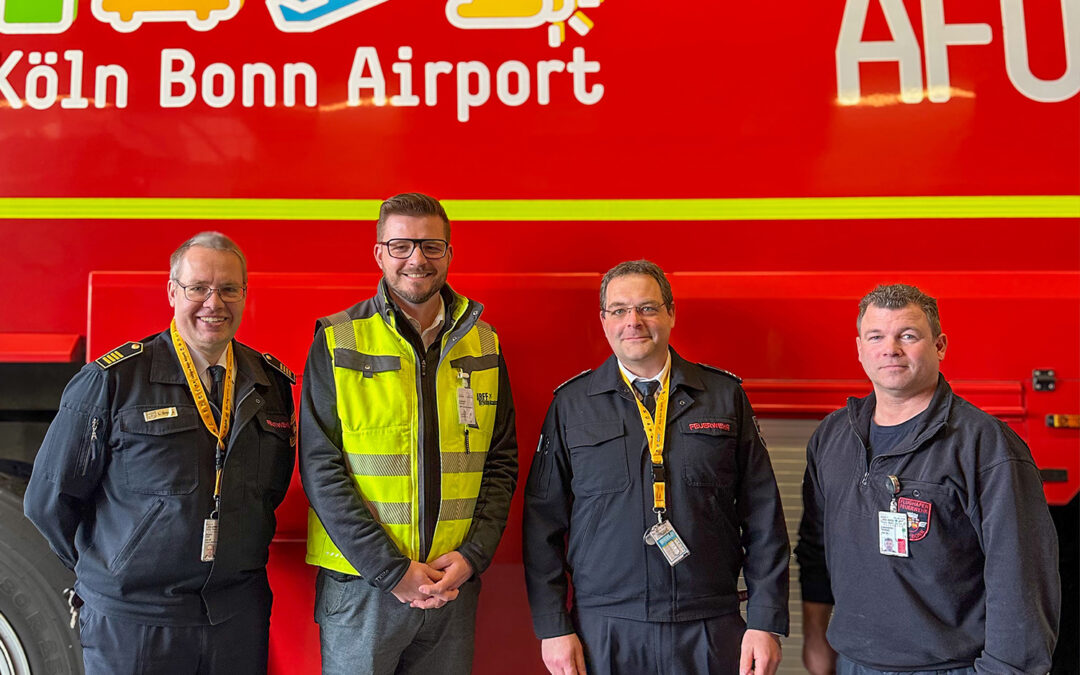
[368, 364]
[594, 433]
[712, 426]
[159, 420]
[468, 364]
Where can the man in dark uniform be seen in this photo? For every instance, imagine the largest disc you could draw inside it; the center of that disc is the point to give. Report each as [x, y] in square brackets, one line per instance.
[158, 479]
[925, 544]
[652, 487]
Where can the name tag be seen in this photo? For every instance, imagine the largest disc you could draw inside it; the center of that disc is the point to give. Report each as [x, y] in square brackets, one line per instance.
[160, 413]
[893, 534]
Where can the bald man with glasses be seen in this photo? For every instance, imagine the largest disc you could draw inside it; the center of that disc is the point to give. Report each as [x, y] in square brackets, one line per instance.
[409, 458]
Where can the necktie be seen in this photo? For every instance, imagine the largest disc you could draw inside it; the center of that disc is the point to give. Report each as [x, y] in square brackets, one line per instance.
[647, 389]
[217, 391]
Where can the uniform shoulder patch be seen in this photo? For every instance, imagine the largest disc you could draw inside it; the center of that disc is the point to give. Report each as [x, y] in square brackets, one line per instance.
[722, 372]
[576, 377]
[280, 367]
[121, 353]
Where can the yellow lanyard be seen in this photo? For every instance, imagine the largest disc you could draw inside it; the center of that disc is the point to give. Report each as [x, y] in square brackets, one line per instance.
[654, 427]
[202, 403]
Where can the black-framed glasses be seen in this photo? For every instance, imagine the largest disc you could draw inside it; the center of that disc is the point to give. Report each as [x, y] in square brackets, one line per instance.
[199, 293]
[646, 311]
[433, 249]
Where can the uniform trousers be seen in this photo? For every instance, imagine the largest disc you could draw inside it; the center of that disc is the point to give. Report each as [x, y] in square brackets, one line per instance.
[846, 666]
[366, 630]
[119, 646]
[615, 646]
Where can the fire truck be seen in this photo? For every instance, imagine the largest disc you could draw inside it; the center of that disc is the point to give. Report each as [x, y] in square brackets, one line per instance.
[777, 160]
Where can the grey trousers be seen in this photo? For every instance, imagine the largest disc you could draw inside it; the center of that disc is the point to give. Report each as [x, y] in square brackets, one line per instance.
[363, 630]
[615, 646]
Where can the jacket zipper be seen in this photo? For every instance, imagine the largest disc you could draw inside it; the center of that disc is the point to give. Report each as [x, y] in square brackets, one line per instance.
[84, 461]
[927, 433]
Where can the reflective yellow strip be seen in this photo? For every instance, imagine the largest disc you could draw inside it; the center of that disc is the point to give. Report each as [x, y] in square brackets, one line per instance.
[816, 208]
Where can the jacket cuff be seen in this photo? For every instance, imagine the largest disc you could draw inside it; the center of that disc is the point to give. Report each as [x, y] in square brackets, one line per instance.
[552, 625]
[471, 552]
[769, 619]
[391, 576]
[816, 590]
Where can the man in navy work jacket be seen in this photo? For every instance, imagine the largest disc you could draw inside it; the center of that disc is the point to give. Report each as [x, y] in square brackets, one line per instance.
[652, 488]
[926, 533]
[158, 479]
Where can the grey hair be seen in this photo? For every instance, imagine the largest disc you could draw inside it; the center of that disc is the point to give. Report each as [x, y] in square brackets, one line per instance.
[212, 240]
[411, 204]
[899, 296]
[645, 267]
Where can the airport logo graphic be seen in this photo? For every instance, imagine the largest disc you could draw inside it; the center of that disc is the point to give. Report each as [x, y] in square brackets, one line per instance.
[292, 16]
[306, 16]
[19, 17]
[127, 15]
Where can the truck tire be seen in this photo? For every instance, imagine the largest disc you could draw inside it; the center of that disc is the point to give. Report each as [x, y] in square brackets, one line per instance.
[35, 634]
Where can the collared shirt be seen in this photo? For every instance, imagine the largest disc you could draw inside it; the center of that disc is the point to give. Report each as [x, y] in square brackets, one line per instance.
[659, 377]
[428, 335]
[203, 368]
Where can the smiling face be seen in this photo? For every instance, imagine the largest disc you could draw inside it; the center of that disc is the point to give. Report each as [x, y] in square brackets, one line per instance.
[899, 353]
[416, 280]
[209, 325]
[640, 343]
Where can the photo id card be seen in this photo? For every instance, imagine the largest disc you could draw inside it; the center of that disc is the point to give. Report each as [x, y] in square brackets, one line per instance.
[465, 410]
[670, 543]
[893, 534]
[209, 540]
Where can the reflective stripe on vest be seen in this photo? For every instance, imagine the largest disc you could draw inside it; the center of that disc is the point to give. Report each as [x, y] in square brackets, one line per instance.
[378, 405]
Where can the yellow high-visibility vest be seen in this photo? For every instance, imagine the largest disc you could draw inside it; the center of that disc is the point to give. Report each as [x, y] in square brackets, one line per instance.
[377, 375]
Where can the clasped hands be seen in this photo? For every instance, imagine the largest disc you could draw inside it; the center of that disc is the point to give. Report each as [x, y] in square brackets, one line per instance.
[430, 586]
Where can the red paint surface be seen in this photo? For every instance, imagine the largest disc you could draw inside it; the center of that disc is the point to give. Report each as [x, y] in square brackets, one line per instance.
[702, 100]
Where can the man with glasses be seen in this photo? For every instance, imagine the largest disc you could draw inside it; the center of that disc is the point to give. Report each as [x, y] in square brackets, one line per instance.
[158, 479]
[408, 457]
[650, 489]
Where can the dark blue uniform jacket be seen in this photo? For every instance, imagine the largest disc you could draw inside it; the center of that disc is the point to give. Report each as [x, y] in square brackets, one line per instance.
[121, 496]
[589, 501]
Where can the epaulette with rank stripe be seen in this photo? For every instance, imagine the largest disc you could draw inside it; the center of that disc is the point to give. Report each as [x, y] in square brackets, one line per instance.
[722, 372]
[121, 353]
[576, 377]
[280, 367]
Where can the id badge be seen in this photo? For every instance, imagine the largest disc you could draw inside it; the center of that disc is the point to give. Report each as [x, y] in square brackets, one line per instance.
[671, 544]
[893, 534]
[209, 540]
[465, 410]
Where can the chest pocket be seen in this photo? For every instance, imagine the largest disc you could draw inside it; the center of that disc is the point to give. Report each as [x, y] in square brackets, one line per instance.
[158, 451]
[707, 450]
[598, 457]
[275, 451]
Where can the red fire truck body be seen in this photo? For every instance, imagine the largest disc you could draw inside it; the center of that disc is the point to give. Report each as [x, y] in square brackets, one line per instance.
[777, 160]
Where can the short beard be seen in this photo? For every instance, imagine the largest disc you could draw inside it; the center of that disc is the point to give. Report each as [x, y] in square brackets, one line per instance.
[417, 299]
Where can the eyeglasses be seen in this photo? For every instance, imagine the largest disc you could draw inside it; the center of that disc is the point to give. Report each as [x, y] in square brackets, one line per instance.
[432, 249]
[199, 293]
[644, 311]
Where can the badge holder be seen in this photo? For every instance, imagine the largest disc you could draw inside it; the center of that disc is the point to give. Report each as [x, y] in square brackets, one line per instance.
[893, 526]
